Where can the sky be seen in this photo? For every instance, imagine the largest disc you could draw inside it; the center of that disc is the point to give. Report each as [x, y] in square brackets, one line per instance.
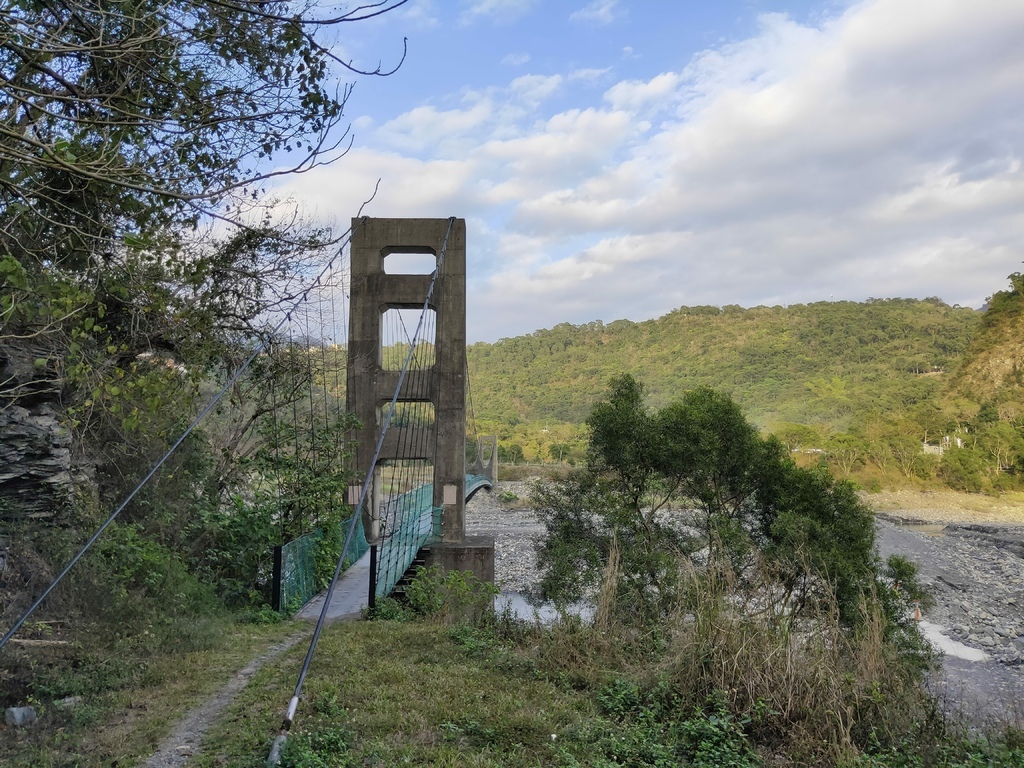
[621, 158]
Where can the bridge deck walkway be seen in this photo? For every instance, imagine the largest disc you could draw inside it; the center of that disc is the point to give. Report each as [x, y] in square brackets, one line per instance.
[351, 595]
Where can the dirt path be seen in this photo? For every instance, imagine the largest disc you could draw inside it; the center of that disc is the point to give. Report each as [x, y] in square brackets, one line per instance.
[183, 742]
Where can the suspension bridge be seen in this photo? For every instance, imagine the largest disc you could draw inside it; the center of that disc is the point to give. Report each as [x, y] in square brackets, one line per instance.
[377, 464]
[406, 383]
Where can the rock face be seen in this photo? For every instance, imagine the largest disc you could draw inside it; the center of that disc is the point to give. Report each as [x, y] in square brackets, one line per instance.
[35, 463]
[37, 470]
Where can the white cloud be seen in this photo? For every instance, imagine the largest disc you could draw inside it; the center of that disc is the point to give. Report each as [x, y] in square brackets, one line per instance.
[600, 12]
[516, 59]
[421, 15]
[497, 10]
[427, 128]
[878, 153]
[635, 95]
[535, 88]
[589, 74]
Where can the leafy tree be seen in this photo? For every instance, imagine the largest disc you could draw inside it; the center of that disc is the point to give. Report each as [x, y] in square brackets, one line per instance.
[659, 487]
[1001, 442]
[123, 129]
[122, 120]
[141, 255]
[846, 452]
[961, 469]
[907, 452]
[558, 452]
[126, 130]
[796, 436]
[511, 453]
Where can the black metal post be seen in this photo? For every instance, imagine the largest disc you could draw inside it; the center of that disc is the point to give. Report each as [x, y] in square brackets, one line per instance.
[275, 588]
[372, 597]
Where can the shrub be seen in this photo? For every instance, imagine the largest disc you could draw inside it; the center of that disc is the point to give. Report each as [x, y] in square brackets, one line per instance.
[691, 477]
[961, 469]
[449, 596]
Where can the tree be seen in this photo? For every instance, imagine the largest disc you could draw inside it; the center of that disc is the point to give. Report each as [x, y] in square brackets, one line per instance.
[511, 453]
[120, 121]
[558, 452]
[126, 127]
[961, 469]
[797, 436]
[126, 131]
[1002, 443]
[662, 487]
[846, 452]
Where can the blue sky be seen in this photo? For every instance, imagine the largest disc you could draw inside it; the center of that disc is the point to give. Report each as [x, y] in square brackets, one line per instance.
[617, 159]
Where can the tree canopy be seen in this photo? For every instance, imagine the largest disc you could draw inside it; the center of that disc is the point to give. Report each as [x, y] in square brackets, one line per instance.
[694, 483]
[127, 128]
[140, 247]
[119, 121]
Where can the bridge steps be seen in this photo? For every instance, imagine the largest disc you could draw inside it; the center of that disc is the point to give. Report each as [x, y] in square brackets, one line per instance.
[418, 561]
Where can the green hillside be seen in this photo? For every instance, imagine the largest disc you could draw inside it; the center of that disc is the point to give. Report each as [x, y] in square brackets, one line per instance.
[992, 371]
[828, 362]
[862, 386]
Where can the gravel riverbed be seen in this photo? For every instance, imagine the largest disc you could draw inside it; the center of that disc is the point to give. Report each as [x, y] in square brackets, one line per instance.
[514, 527]
[974, 569]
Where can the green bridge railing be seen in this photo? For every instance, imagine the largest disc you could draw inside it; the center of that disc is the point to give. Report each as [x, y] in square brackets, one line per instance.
[294, 578]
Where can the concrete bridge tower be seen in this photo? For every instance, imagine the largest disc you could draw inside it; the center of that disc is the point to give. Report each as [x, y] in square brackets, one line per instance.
[373, 292]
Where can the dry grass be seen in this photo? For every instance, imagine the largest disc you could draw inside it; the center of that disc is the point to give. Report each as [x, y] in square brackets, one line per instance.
[820, 688]
[812, 689]
[945, 506]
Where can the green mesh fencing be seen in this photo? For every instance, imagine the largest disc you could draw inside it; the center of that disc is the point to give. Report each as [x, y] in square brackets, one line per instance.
[295, 578]
[411, 519]
[295, 564]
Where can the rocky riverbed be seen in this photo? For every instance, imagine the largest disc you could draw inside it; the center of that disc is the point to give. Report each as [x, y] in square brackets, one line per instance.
[972, 564]
[975, 573]
[514, 526]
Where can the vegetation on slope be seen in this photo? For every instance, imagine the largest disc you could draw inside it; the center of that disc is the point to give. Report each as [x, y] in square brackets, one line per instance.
[993, 369]
[821, 362]
[864, 387]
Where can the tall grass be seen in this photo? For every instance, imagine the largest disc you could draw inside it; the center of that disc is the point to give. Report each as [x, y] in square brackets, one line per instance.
[805, 687]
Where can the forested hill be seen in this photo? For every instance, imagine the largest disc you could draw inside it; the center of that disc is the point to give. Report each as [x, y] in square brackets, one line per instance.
[823, 362]
[992, 371]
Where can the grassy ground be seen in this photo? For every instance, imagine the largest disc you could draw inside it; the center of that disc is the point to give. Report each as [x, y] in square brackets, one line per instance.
[391, 693]
[120, 717]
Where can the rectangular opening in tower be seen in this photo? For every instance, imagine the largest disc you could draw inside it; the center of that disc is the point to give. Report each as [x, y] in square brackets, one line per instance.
[411, 416]
[403, 330]
[413, 263]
